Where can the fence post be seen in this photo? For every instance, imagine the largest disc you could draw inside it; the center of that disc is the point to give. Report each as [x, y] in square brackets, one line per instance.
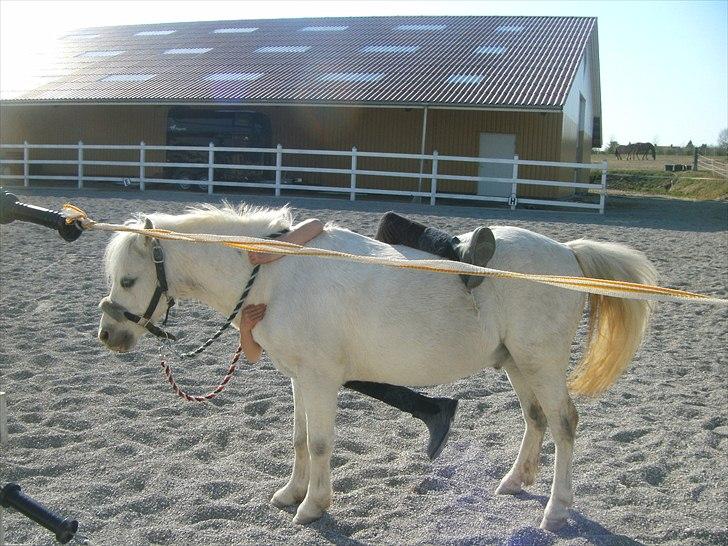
[513, 201]
[433, 182]
[142, 158]
[352, 196]
[603, 191]
[80, 164]
[695, 159]
[279, 164]
[210, 168]
[26, 166]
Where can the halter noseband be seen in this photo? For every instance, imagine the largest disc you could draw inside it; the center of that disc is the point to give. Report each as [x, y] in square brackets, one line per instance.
[145, 320]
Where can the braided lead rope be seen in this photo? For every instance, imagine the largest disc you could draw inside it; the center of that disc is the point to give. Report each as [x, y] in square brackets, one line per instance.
[604, 287]
[210, 395]
[229, 320]
[237, 308]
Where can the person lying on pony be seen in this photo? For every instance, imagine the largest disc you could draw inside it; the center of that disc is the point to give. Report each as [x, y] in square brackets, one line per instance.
[436, 413]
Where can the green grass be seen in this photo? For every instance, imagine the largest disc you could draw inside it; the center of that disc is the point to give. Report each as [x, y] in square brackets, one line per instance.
[699, 185]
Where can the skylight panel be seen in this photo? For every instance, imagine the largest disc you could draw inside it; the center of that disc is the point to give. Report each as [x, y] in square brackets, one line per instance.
[465, 78]
[82, 36]
[352, 77]
[324, 29]
[236, 30]
[188, 51]
[233, 76]
[283, 49]
[509, 28]
[102, 53]
[390, 49]
[420, 27]
[490, 50]
[154, 32]
[128, 77]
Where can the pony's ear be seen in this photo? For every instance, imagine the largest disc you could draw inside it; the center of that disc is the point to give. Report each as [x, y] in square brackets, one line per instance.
[147, 241]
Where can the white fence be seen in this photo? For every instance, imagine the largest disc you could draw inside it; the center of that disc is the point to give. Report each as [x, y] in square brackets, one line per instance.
[713, 165]
[277, 184]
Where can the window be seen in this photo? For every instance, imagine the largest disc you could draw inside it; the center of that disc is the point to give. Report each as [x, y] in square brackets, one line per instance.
[154, 32]
[101, 54]
[490, 50]
[390, 49]
[465, 78]
[283, 49]
[128, 77]
[233, 76]
[420, 27]
[351, 77]
[188, 51]
[242, 30]
[324, 29]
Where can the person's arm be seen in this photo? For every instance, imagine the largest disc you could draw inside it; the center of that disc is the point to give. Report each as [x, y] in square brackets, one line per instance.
[299, 235]
[252, 315]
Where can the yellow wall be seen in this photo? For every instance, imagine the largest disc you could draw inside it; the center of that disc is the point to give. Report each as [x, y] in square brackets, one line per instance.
[450, 132]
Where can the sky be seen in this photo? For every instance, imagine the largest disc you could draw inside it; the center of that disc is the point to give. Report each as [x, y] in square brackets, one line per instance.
[664, 64]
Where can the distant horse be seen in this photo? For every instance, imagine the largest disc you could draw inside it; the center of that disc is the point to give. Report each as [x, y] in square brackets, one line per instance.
[642, 149]
[624, 151]
[329, 322]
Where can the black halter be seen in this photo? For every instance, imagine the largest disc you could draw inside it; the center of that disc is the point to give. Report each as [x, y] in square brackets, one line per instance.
[161, 288]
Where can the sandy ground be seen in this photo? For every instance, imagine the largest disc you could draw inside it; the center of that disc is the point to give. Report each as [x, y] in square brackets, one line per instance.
[100, 437]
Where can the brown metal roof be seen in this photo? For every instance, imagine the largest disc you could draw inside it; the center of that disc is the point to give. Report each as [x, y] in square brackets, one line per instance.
[506, 62]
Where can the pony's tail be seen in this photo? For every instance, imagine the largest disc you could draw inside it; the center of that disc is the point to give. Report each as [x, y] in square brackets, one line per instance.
[616, 325]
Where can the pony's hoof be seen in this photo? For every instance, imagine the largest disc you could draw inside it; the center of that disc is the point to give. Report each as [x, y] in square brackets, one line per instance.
[552, 524]
[509, 486]
[307, 512]
[286, 496]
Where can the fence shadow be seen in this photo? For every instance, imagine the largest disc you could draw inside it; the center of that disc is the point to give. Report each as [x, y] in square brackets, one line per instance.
[622, 210]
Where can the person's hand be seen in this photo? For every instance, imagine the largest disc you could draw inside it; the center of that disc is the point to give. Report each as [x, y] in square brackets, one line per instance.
[258, 258]
[252, 315]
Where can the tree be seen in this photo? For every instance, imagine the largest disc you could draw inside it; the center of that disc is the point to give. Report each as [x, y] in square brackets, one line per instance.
[689, 147]
[723, 142]
[612, 146]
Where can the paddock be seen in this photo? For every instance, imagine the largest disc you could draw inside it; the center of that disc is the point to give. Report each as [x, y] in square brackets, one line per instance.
[102, 438]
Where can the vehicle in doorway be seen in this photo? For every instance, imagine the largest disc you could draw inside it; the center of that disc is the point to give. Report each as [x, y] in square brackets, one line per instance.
[224, 127]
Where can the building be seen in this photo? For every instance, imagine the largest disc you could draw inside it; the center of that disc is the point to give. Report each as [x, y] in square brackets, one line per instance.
[464, 86]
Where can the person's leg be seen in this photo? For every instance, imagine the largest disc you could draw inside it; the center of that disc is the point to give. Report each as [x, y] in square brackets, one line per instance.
[397, 230]
[436, 413]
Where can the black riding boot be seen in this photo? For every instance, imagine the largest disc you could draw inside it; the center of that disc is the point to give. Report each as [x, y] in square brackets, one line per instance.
[437, 413]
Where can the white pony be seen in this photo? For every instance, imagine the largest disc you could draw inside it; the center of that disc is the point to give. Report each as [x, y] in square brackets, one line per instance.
[331, 321]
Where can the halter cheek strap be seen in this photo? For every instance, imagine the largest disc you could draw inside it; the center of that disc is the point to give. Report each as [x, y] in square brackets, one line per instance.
[145, 320]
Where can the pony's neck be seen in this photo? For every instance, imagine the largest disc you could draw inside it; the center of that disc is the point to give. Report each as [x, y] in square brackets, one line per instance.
[211, 274]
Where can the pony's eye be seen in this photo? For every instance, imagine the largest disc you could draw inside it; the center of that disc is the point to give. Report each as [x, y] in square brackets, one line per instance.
[127, 282]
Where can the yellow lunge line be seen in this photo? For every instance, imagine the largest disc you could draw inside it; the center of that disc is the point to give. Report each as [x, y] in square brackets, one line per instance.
[604, 287]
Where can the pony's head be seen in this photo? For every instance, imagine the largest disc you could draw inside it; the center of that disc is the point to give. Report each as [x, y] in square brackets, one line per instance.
[135, 302]
[132, 276]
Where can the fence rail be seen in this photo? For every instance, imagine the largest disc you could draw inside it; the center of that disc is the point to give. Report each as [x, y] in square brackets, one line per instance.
[713, 165]
[206, 171]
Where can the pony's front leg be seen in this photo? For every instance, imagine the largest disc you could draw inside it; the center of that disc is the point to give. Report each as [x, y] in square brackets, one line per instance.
[319, 399]
[295, 490]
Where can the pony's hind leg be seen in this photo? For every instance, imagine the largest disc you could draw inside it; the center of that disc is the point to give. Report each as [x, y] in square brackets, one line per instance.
[295, 490]
[549, 386]
[523, 471]
[319, 399]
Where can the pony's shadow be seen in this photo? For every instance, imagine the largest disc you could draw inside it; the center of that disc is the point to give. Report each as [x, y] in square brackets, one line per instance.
[331, 529]
[580, 526]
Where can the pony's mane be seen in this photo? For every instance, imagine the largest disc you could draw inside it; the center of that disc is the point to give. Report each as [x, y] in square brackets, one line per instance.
[227, 219]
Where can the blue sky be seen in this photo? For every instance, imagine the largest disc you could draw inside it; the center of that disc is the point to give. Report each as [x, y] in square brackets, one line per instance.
[664, 64]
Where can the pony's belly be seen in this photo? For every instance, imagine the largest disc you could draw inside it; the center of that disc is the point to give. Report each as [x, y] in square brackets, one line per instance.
[420, 368]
